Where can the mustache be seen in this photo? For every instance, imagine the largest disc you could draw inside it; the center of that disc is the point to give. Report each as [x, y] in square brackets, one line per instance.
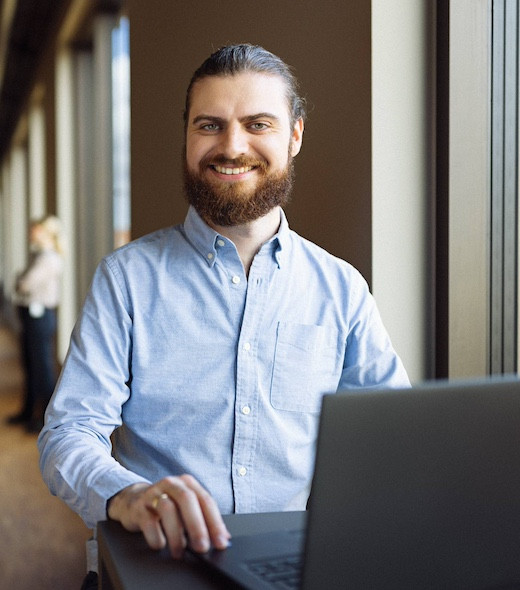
[240, 162]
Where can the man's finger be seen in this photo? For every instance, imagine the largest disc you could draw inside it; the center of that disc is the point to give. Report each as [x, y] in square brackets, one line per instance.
[171, 524]
[190, 512]
[215, 526]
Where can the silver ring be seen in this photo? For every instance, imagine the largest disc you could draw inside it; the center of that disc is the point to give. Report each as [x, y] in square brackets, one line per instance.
[157, 499]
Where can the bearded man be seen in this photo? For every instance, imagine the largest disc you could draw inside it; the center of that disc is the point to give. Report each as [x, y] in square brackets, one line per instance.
[195, 373]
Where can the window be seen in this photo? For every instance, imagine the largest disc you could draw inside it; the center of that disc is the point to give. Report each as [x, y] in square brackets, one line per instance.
[121, 131]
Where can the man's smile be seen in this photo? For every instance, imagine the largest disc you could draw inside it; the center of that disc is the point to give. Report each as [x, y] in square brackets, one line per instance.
[232, 171]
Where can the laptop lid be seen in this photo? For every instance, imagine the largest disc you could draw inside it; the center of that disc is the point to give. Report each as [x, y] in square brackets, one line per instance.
[417, 488]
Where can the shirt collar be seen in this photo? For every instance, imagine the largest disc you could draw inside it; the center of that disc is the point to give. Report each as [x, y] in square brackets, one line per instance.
[203, 237]
[281, 240]
[208, 242]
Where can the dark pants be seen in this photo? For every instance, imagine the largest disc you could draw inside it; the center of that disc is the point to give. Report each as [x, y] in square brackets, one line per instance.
[90, 582]
[39, 360]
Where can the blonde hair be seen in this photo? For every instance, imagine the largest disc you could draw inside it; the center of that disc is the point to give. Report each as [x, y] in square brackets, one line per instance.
[54, 229]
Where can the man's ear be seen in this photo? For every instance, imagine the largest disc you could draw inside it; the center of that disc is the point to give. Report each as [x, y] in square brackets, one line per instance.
[297, 137]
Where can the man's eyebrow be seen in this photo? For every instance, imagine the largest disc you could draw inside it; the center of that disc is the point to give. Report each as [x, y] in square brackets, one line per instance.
[246, 119]
[260, 116]
[203, 117]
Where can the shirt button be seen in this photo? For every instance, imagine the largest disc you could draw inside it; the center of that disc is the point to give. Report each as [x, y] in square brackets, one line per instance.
[221, 243]
[246, 410]
[247, 346]
[242, 471]
[235, 280]
[210, 255]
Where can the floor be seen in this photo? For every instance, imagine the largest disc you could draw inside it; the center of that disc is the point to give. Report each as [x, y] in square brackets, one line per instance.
[42, 542]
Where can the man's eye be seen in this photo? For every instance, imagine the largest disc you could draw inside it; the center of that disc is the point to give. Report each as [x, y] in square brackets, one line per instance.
[210, 127]
[258, 126]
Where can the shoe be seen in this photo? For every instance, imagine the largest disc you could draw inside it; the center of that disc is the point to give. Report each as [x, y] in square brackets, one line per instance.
[20, 418]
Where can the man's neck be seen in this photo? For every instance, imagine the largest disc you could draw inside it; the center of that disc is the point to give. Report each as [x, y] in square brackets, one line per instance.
[250, 237]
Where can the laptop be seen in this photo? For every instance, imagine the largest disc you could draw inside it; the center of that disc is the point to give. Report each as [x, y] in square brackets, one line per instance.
[414, 488]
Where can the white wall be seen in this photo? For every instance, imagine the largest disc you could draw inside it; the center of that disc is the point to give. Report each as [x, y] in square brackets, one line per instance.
[65, 194]
[469, 188]
[399, 175]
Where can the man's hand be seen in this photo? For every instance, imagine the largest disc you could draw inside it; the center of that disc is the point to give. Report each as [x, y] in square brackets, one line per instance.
[175, 510]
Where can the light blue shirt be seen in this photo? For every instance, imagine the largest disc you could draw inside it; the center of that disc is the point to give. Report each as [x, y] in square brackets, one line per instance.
[192, 367]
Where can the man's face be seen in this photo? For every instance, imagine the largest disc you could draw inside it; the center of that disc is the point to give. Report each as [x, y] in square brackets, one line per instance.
[239, 147]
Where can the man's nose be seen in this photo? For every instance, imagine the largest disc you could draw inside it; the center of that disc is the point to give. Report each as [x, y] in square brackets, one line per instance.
[234, 142]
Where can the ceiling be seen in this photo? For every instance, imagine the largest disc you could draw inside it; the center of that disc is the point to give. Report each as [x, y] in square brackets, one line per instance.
[33, 22]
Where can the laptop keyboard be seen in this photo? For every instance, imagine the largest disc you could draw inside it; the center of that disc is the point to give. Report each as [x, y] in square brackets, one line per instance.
[282, 572]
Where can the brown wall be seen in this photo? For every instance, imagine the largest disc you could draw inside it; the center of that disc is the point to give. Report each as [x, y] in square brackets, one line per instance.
[328, 43]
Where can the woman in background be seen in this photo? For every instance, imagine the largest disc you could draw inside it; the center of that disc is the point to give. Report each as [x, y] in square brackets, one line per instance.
[38, 295]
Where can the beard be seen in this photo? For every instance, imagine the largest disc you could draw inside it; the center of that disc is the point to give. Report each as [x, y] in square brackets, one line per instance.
[229, 204]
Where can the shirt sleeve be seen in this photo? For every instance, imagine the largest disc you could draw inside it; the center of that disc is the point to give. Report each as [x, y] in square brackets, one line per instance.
[75, 447]
[370, 359]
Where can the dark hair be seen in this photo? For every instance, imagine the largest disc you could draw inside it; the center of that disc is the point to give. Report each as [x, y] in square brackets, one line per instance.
[234, 59]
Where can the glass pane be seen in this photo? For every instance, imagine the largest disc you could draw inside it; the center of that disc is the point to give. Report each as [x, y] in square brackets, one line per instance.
[121, 126]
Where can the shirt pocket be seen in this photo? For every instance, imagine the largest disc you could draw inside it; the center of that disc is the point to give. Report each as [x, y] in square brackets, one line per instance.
[307, 364]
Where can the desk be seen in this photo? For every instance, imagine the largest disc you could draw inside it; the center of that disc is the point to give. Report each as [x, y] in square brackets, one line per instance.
[127, 563]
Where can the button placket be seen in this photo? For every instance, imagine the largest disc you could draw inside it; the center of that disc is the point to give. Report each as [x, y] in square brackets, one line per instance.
[246, 401]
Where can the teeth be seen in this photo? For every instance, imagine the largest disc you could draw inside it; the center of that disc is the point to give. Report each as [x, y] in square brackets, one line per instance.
[229, 171]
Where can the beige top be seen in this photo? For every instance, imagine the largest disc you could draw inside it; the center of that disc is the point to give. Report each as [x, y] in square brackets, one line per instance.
[41, 281]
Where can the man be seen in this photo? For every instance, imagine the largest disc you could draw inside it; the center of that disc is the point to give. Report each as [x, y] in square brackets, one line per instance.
[204, 350]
